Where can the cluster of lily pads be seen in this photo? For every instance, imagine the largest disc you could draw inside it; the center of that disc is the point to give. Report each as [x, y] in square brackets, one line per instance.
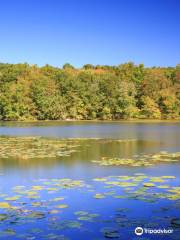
[53, 208]
[141, 187]
[36, 147]
[48, 199]
[40, 147]
[140, 160]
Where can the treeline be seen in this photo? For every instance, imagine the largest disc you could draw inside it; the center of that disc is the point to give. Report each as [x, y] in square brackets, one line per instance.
[126, 91]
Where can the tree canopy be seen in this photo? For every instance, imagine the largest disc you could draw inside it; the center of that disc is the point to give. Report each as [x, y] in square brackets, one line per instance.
[126, 91]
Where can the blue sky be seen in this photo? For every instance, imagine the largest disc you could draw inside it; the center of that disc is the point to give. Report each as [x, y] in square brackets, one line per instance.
[90, 31]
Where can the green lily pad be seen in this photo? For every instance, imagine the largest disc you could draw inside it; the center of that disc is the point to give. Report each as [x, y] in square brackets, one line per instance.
[5, 205]
[99, 196]
[175, 222]
[3, 217]
[110, 232]
[149, 184]
[62, 206]
[36, 215]
[81, 213]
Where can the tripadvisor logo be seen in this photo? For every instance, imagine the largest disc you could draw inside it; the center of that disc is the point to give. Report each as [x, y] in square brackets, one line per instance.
[139, 231]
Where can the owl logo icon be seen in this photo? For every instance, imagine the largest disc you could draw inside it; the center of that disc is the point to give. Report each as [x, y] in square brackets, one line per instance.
[139, 231]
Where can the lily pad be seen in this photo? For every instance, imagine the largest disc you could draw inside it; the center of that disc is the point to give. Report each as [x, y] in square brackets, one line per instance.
[62, 206]
[36, 215]
[175, 222]
[99, 196]
[110, 232]
[149, 184]
[5, 205]
[3, 217]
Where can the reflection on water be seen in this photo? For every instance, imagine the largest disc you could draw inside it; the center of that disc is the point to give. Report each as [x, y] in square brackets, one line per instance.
[167, 132]
[79, 163]
[92, 150]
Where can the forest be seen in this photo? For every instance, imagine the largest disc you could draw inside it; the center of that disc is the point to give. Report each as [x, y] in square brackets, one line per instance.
[126, 91]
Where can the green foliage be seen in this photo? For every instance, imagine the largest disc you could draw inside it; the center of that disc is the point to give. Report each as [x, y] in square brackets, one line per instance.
[94, 92]
[88, 66]
[49, 103]
[150, 109]
[68, 66]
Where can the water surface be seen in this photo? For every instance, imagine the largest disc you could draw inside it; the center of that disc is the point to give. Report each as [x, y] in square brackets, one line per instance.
[120, 214]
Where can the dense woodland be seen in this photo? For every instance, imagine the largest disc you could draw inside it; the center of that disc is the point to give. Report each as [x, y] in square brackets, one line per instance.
[126, 91]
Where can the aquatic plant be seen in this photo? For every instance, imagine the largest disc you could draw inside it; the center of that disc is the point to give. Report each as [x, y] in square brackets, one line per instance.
[36, 147]
[140, 160]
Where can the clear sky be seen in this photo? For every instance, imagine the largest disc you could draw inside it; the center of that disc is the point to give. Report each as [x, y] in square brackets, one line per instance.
[90, 31]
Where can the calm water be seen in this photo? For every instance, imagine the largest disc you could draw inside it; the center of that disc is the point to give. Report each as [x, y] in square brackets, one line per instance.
[122, 215]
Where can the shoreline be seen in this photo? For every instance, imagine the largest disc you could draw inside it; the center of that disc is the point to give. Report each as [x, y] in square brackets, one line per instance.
[93, 121]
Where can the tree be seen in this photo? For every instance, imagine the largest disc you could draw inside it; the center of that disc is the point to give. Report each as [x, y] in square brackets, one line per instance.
[94, 92]
[68, 66]
[88, 66]
[150, 109]
[49, 103]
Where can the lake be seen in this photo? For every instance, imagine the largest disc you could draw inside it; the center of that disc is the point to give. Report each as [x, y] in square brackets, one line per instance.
[89, 180]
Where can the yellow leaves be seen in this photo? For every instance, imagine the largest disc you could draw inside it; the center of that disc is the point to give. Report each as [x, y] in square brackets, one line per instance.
[36, 204]
[14, 198]
[36, 215]
[25, 148]
[54, 211]
[52, 189]
[62, 206]
[149, 185]
[31, 193]
[163, 186]
[175, 190]
[140, 160]
[100, 179]
[37, 188]
[156, 179]
[57, 199]
[173, 197]
[168, 177]
[67, 183]
[99, 196]
[5, 205]
[122, 184]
